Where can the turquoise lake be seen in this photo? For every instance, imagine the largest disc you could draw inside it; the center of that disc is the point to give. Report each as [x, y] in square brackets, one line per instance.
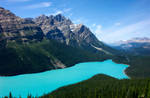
[38, 84]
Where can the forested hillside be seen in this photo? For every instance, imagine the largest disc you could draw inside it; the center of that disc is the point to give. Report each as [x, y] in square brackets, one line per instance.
[102, 86]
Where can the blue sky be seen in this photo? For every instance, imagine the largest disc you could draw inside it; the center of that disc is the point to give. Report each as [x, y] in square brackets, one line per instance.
[109, 20]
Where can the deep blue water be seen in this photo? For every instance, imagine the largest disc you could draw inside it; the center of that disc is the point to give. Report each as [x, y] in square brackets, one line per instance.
[45, 82]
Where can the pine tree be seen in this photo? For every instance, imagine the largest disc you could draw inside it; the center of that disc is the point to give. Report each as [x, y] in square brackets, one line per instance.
[10, 95]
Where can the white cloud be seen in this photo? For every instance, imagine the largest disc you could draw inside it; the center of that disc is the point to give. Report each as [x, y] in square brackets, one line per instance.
[38, 5]
[98, 29]
[117, 24]
[77, 21]
[66, 10]
[58, 12]
[80, 20]
[93, 25]
[127, 31]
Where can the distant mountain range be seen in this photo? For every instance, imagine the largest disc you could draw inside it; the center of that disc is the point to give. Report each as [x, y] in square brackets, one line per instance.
[46, 42]
[136, 45]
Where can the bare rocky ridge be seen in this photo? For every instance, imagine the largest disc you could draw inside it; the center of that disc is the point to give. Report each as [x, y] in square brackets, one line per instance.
[13, 27]
[45, 43]
[69, 33]
[65, 31]
[56, 27]
[135, 45]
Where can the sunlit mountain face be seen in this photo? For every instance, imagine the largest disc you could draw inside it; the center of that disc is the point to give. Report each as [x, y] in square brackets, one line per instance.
[109, 21]
[135, 45]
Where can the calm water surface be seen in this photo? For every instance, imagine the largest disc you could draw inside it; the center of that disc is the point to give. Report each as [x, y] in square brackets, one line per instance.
[40, 83]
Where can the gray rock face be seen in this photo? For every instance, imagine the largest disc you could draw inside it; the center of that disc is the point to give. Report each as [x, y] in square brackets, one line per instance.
[136, 45]
[69, 33]
[13, 27]
[1, 30]
[56, 27]
[20, 46]
[56, 34]
[47, 23]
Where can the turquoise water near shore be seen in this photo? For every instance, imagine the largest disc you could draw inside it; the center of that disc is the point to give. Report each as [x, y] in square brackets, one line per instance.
[38, 84]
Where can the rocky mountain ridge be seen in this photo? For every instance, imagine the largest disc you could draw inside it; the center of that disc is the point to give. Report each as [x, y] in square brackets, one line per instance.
[13, 27]
[52, 27]
[45, 43]
[135, 45]
[69, 33]
[133, 40]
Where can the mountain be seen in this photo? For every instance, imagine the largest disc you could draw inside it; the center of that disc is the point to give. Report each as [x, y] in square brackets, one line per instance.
[139, 46]
[13, 27]
[71, 34]
[76, 35]
[33, 45]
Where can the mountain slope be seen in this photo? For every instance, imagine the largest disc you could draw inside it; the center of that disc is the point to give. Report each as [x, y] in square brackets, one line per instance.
[77, 35]
[138, 46]
[28, 46]
[102, 86]
[16, 28]
[36, 57]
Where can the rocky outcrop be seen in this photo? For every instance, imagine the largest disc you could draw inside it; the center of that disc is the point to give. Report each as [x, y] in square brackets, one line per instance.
[63, 30]
[69, 33]
[47, 23]
[56, 27]
[55, 34]
[13, 27]
[83, 35]
[20, 45]
[1, 30]
[135, 45]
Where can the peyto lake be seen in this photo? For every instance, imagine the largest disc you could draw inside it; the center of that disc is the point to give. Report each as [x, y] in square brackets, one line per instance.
[38, 84]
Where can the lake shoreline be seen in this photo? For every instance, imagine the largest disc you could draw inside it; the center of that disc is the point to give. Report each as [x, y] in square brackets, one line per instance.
[49, 81]
[125, 69]
[126, 72]
[51, 69]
